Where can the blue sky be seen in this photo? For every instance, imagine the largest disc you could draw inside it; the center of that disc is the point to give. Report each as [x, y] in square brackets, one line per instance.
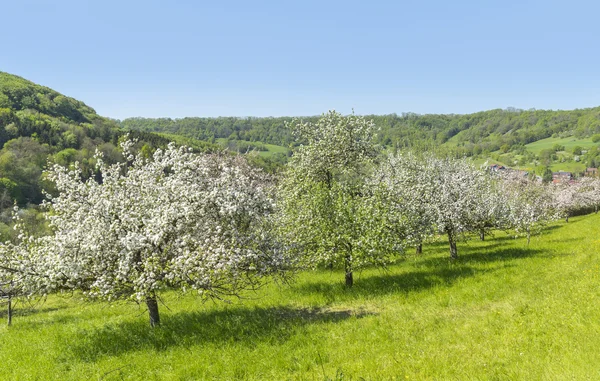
[270, 58]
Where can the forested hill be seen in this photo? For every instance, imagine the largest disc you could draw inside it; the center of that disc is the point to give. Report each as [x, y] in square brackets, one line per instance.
[468, 134]
[27, 109]
[37, 125]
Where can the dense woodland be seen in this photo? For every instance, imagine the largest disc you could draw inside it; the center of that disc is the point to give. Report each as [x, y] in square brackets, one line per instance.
[471, 134]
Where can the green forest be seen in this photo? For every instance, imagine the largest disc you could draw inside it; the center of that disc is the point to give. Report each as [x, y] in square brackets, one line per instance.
[499, 135]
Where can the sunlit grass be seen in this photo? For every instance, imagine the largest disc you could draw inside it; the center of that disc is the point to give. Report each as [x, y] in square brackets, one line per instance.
[569, 143]
[504, 310]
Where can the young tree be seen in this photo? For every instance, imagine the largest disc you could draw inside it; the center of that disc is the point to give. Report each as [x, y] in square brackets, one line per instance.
[329, 213]
[180, 220]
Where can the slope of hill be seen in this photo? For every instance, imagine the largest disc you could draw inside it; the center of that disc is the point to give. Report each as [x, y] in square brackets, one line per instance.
[37, 125]
[483, 135]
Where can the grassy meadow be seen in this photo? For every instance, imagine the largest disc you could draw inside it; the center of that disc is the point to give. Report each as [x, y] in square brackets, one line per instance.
[569, 143]
[504, 310]
[272, 149]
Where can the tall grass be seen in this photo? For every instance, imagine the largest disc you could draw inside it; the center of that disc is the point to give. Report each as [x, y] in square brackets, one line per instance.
[504, 310]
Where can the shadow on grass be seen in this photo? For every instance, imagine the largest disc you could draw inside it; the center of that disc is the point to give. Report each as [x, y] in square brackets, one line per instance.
[497, 236]
[21, 310]
[483, 255]
[385, 283]
[247, 326]
[429, 273]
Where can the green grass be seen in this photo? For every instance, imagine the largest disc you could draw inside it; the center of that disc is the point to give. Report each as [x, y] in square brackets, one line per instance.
[568, 166]
[272, 149]
[569, 143]
[504, 310]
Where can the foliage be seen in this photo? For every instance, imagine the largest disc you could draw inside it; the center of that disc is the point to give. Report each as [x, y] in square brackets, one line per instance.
[463, 135]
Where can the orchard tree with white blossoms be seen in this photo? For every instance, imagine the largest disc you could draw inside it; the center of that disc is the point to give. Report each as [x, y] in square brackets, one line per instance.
[458, 202]
[589, 193]
[567, 198]
[408, 196]
[329, 213]
[179, 220]
[530, 204]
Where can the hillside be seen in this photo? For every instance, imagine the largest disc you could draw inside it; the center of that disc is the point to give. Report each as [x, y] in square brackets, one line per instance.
[496, 135]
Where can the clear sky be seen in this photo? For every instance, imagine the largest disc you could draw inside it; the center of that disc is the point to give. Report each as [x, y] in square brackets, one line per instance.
[270, 58]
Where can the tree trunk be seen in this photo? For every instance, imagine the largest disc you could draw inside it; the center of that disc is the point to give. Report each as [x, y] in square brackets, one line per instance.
[528, 236]
[419, 248]
[348, 268]
[152, 305]
[9, 310]
[482, 234]
[567, 218]
[452, 242]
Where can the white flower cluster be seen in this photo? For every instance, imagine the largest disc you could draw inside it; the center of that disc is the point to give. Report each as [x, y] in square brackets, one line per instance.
[529, 204]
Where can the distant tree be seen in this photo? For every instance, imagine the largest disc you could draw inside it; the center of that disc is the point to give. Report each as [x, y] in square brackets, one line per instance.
[567, 198]
[589, 193]
[547, 156]
[547, 175]
[530, 204]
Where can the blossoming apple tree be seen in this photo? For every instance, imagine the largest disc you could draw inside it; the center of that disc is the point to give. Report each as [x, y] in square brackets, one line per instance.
[329, 213]
[179, 220]
[408, 196]
[530, 204]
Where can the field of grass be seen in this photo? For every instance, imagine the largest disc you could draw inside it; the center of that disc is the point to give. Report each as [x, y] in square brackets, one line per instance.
[271, 148]
[569, 143]
[568, 166]
[504, 310]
